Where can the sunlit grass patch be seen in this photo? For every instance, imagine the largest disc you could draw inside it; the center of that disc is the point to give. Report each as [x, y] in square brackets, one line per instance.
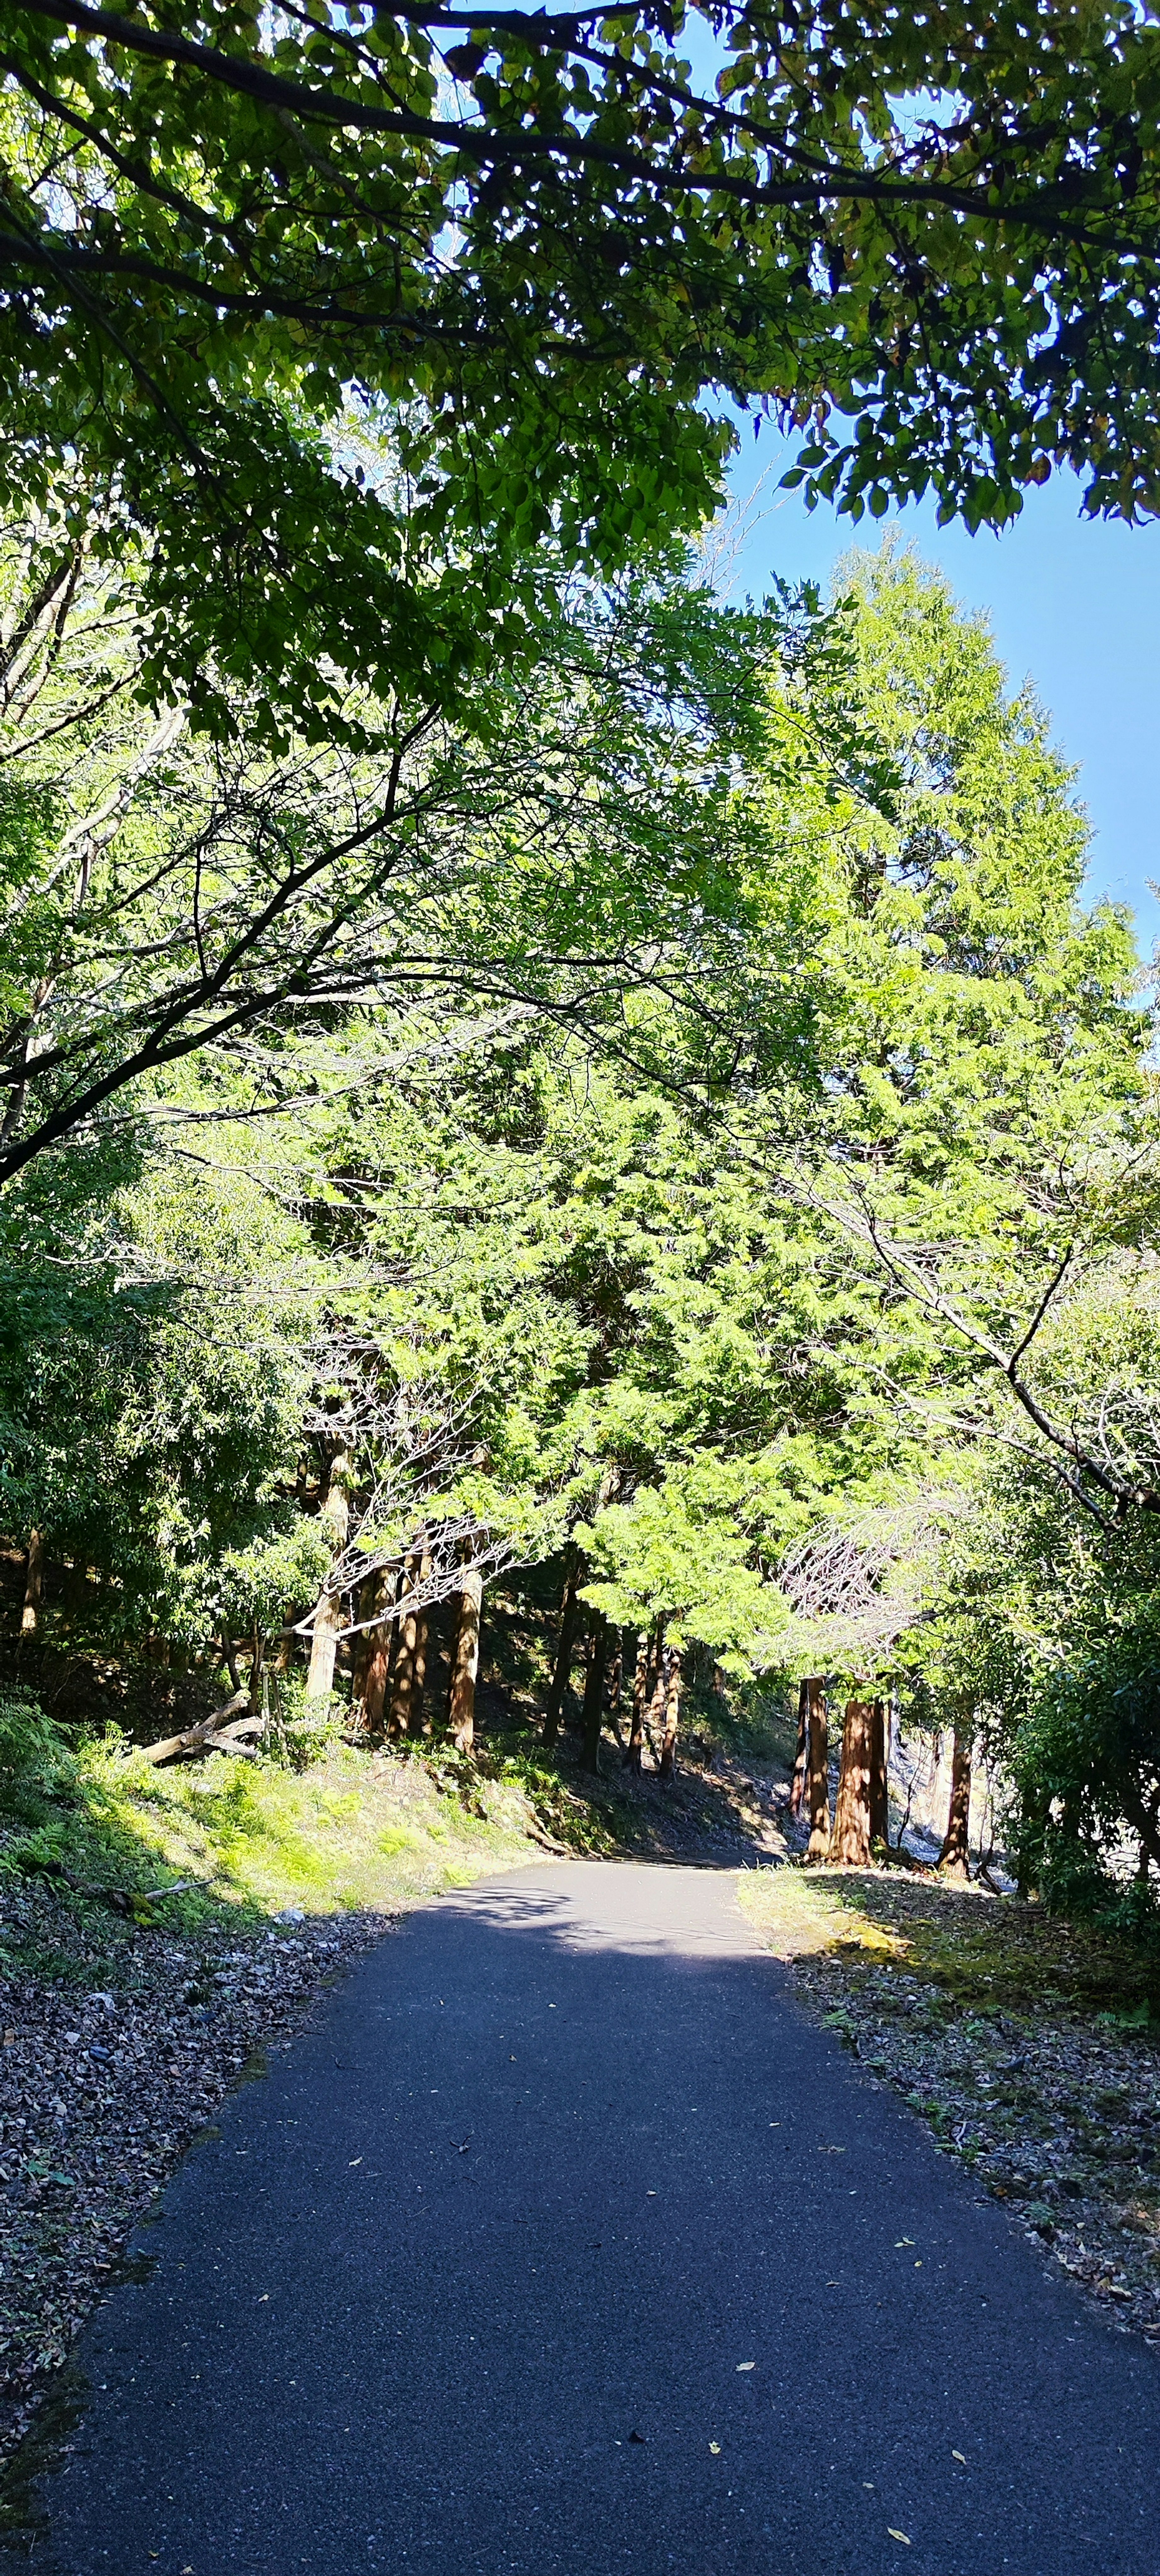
[976, 1951]
[805, 1913]
[355, 1831]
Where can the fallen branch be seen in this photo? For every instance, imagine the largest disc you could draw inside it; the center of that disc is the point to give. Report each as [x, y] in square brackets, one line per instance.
[194, 1736]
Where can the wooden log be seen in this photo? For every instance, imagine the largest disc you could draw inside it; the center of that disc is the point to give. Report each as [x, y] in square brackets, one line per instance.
[194, 1735]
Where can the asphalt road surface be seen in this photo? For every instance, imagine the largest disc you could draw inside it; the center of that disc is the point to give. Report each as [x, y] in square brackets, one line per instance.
[563, 2243]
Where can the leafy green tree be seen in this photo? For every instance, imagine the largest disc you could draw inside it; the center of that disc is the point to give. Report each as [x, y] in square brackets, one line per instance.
[523, 248]
[591, 832]
[155, 1366]
[987, 1086]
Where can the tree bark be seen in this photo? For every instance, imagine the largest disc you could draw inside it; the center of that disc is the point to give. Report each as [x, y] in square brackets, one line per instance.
[403, 1674]
[594, 1691]
[850, 1841]
[797, 1786]
[328, 1626]
[879, 1775]
[954, 1859]
[328, 1618]
[635, 1753]
[465, 1664]
[616, 1688]
[374, 1649]
[420, 1722]
[569, 1621]
[655, 1709]
[33, 1585]
[672, 1715]
[818, 1847]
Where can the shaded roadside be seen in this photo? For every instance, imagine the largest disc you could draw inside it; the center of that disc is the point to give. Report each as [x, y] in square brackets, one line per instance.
[1028, 2046]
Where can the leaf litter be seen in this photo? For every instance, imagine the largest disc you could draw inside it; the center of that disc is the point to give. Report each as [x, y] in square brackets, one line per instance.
[1030, 2048]
[104, 2085]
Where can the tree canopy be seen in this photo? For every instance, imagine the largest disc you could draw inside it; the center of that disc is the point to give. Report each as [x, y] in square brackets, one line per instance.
[679, 1138]
[524, 256]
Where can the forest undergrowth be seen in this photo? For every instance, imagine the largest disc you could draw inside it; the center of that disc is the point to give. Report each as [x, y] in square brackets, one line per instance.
[1028, 2045]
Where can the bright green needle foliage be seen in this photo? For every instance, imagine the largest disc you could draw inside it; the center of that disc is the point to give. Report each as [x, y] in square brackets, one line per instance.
[526, 250]
[987, 1066]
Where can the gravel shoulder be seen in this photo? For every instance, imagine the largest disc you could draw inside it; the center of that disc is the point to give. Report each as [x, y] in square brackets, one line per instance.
[1029, 2048]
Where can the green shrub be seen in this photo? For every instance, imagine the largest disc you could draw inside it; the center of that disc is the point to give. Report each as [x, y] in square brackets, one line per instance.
[36, 1764]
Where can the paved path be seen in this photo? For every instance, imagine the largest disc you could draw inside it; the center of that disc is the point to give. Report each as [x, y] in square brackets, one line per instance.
[564, 2244]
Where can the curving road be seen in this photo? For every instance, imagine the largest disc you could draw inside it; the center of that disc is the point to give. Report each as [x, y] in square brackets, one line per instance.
[562, 2243]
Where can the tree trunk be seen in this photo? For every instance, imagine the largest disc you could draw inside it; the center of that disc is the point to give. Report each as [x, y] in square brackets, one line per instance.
[419, 1724]
[818, 1847]
[879, 1775]
[616, 1689]
[406, 1641]
[797, 1788]
[672, 1715]
[594, 1691]
[328, 1626]
[633, 1757]
[850, 1841]
[33, 1586]
[328, 1618]
[954, 1858]
[465, 1664]
[569, 1621]
[656, 1700]
[374, 1649]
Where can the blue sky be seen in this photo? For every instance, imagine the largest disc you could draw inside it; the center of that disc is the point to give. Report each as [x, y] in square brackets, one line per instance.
[1074, 604]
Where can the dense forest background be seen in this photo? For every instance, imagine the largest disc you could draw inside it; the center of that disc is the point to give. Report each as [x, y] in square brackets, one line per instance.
[661, 1170]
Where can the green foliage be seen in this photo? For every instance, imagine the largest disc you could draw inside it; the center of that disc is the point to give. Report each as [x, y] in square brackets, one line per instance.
[36, 1763]
[706, 1083]
[217, 230]
[144, 1432]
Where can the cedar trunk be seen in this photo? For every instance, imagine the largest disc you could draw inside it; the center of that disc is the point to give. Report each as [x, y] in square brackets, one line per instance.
[850, 1842]
[655, 1703]
[616, 1688]
[418, 1626]
[402, 1673]
[33, 1585]
[672, 1715]
[328, 1627]
[569, 1620]
[954, 1858]
[465, 1665]
[594, 1690]
[879, 1775]
[632, 1759]
[797, 1789]
[818, 1847]
[374, 1661]
[328, 1616]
